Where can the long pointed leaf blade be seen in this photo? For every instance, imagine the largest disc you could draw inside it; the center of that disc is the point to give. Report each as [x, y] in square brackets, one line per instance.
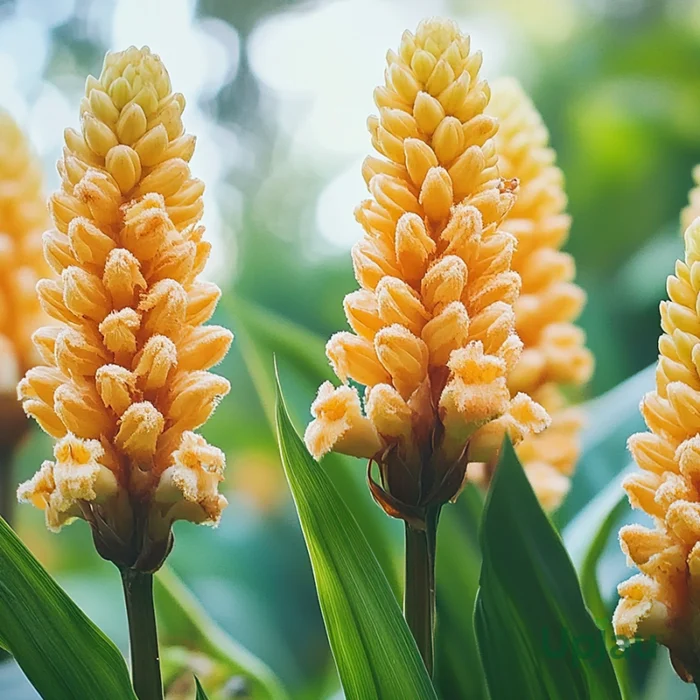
[373, 649]
[201, 695]
[262, 334]
[64, 655]
[529, 609]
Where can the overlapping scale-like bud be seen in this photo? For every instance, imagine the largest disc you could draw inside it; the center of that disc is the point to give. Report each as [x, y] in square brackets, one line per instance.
[433, 324]
[23, 218]
[663, 600]
[553, 354]
[126, 380]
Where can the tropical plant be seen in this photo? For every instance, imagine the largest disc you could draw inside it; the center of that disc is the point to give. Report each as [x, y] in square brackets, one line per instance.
[470, 431]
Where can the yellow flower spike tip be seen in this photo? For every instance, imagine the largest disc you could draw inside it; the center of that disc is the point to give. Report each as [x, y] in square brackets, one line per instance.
[663, 600]
[553, 352]
[434, 328]
[127, 382]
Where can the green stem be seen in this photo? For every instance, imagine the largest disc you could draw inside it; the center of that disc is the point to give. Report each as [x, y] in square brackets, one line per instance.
[419, 596]
[143, 636]
[7, 485]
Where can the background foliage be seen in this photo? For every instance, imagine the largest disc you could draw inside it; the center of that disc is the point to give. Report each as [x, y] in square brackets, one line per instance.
[278, 91]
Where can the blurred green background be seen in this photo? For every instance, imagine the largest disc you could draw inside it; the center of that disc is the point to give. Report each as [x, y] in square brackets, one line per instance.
[278, 92]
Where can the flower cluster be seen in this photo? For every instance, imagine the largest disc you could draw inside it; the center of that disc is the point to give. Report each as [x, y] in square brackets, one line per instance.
[23, 218]
[549, 302]
[662, 600]
[433, 323]
[126, 381]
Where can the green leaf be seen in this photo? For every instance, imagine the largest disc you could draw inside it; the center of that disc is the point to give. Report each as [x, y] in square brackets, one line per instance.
[586, 538]
[373, 649]
[587, 533]
[530, 615]
[182, 622]
[64, 655]
[201, 695]
[260, 336]
[458, 672]
[611, 419]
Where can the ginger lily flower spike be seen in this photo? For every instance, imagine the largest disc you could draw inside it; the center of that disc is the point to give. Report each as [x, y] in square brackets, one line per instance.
[434, 328]
[663, 600]
[126, 381]
[554, 352]
[23, 218]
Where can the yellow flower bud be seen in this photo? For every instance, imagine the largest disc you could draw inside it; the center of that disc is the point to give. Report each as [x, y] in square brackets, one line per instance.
[76, 475]
[40, 383]
[88, 243]
[131, 124]
[189, 488]
[414, 247]
[84, 294]
[79, 354]
[140, 427]
[146, 226]
[156, 359]
[404, 356]
[124, 166]
[202, 298]
[164, 308]
[398, 303]
[194, 397]
[116, 386]
[122, 278]
[362, 312]
[448, 330]
[50, 295]
[444, 282]
[354, 357]
[57, 251]
[339, 420]
[44, 340]
[119, 329]
[202, 347]
[436, 194]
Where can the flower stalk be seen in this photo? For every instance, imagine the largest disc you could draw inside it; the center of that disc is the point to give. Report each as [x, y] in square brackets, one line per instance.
[143, 635]
[419, 593]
